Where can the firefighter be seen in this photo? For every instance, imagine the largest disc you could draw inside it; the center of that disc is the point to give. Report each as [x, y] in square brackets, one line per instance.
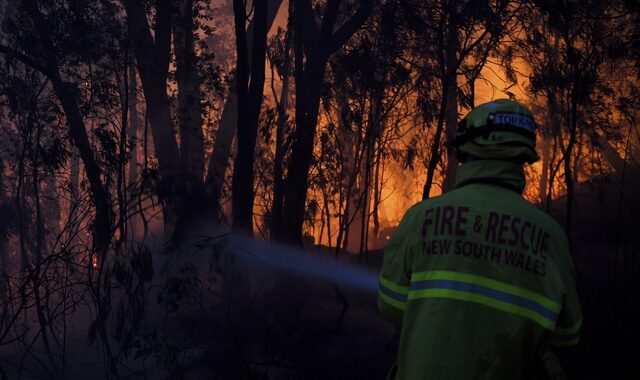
[480, 281]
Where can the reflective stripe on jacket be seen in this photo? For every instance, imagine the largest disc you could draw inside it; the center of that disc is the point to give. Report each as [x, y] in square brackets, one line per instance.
[481, 281]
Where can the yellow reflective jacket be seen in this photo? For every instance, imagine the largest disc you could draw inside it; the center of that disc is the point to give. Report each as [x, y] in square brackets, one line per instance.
[481, 281]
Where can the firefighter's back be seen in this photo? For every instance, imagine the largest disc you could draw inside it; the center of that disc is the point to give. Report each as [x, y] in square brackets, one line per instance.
[481, 281]
[486, 283]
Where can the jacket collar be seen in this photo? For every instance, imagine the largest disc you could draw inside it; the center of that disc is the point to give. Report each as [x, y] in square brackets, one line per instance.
[495, 172]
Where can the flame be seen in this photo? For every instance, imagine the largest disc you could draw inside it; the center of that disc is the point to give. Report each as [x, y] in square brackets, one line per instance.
[404, 186]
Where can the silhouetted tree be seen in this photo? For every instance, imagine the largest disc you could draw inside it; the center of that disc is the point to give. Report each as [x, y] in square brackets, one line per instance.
[568, 44]
[448, 41]
[51, 49]
[367, 101]
[316, 38]
[228, 123]
[249, 83]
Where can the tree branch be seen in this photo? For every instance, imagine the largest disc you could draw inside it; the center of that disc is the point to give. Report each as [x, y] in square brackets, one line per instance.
[304, 15]
[329, 19]
[342, 35]
[29, 61]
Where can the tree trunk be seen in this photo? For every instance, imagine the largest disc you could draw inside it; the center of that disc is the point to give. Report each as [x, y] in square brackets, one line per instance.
[189, 108]
[297, 181]
[435, 151]
[451, 109]
[4, 271]
[313, 47]
[378, 183]
[553, 170]
[35, 178]
[250, 84]
[194, 206]
[278, 180]
[121, 181]
[4, 237]
[222, 147]
[544, 175]
[572, 124]
[611, 154]
[356, 192]
[183, 207]
[379, 118]
[448, 116]
[451, 124]
[327, 215]
[67, 95]
[99, 194]
[134, 128]
[349, 159]
[222, 151]
[568, 172]
[152, 58]
[366, 192]
[23, 234]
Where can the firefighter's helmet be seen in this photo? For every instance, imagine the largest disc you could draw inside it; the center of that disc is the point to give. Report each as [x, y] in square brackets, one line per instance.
[501, 129]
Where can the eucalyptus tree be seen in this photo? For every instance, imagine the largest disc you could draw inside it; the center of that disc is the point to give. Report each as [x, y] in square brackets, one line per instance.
[250, 75]
[448, 44]
[319, 31]
[179, 172]
[53, 40]
[62, 61]
[370, 103]
[281, 64]
[227, 125]
[191, 187]
[567, 45]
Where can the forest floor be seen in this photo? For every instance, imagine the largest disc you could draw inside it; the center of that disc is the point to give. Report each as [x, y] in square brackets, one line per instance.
[217, 319]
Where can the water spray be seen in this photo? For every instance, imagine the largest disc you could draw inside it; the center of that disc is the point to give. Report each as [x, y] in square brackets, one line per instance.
[262, 255]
